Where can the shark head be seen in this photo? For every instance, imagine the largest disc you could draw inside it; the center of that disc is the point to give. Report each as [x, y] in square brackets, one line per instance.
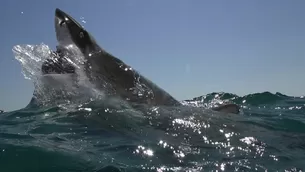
[98, 64]
[69, 31]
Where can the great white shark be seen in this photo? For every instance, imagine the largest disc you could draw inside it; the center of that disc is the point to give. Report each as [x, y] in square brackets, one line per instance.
[106, 71]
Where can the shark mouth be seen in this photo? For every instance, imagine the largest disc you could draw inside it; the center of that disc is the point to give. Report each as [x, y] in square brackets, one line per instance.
[57, 64]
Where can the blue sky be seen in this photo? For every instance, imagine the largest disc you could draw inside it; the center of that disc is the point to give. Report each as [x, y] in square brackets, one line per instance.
[189, 48]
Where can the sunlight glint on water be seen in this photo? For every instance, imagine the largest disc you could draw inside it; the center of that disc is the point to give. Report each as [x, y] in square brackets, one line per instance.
[159, 138]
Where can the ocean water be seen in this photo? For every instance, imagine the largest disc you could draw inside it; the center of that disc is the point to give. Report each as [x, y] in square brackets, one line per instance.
[100, 133]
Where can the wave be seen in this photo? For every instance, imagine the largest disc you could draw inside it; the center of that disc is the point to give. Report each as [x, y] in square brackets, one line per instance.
[255, 99]
[111, 135]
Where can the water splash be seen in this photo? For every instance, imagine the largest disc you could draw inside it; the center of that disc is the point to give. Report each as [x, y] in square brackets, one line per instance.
[83, 20]
[206, 102]
[55, 89]
[31, 58]
[157, 138]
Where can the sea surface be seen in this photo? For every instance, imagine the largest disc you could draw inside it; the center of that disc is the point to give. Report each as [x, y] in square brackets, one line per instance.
[106, 134]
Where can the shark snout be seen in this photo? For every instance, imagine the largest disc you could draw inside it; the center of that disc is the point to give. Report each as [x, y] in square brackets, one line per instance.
[59, 18]
[67, 29]
[62, 18]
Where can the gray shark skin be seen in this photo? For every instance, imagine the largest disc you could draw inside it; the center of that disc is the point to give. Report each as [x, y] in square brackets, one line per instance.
[108, 72]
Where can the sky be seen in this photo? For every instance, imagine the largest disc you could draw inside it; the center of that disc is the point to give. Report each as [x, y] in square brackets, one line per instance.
[189, 48]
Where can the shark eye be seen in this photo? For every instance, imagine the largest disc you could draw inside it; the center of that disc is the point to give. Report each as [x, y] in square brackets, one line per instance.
[81, 34]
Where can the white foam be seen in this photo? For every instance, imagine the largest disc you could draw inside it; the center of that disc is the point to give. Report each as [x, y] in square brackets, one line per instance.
[55, 88]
